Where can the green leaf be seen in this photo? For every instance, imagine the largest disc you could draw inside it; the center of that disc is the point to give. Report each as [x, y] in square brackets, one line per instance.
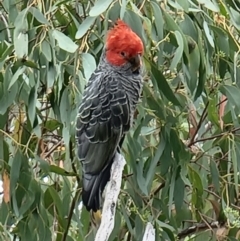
[184, 4]
[235, 17]
[126, 218]
[51, 75]
[38, 15]
[194, 64]
[233, 158]
[158, 19]
[214, 175]
[99, 7]
[189, 29]
[8, 98]
[30, 64]
[85, 221]
[179, 52]
[222, 40]
[64, 41]
[15, 77]
[175, 27]
[89, 64]
[60, 171]
[233, 94]
[195, 180]
[14, 177]
[135, 22]
[32, 104]
[12, 9]
[210, 5]
[58, 203]
[165, 225]
[163, 85]
[6, 52]
[48, 201]
[208, 34]
[156, 159]
[179, 193]
[21, 35]
[140, 179]
[28, 201]
[46, 50]
[123, 8]
[3, 120]
[52, 125]
[145, 130]
[84, 27]
[65, 107]
[45, 233]
[202, 67]
[44, 165]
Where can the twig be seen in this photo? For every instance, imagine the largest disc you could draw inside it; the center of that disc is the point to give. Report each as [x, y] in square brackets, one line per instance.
[69, 218]
[142, 5]
[196, 228]
[202, 118]
[84, 11]
[204, 220]
[207, 127]
[162, 185]
[76, 196]
[72, 162]
[149, 234]
[111, 197]
[215, 136]
[53, 149]
[7, 27]
[45, 108]
[224, 100]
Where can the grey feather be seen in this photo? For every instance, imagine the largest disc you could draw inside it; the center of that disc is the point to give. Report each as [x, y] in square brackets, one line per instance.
[104, 116]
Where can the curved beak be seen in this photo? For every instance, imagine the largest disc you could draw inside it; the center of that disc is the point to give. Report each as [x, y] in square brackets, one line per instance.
[136, 62]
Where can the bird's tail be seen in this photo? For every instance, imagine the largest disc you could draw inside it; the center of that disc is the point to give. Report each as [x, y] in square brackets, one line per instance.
[93, 186]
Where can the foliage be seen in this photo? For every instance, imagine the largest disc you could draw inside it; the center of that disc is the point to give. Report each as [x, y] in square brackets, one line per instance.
[183, 153]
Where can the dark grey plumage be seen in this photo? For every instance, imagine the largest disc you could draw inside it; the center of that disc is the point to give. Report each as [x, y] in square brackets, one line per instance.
[105, 115]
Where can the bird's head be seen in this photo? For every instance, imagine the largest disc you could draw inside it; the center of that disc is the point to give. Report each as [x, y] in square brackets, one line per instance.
[123, 46]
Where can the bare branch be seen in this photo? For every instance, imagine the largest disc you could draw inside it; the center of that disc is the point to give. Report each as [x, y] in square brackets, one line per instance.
[198, 227]
[202, 118]
[217, 135]
[111, 197]
[149, 234]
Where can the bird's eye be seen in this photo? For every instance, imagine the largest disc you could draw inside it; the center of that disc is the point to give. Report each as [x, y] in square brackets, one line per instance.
[123, 54]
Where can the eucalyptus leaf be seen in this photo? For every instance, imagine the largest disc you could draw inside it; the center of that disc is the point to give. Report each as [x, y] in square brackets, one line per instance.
[89, 64]
[64, 41]
[99, 7]
[84, 27]
[179, 51]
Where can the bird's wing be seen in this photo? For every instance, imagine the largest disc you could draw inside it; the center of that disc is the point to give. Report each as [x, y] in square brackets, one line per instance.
[103, 117]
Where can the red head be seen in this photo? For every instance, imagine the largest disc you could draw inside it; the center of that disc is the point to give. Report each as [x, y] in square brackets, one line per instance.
[123, 46]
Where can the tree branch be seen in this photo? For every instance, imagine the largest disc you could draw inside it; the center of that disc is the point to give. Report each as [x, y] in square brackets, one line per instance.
[54, 148]
[216, 136]
[149, 234]
[111, 197]
[202, 118]
[196, 228]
